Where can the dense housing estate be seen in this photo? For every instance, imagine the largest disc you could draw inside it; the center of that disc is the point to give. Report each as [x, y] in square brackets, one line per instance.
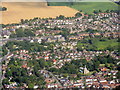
[74, 52]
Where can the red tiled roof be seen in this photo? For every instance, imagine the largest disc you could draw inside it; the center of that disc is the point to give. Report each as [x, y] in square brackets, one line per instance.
[24, 66]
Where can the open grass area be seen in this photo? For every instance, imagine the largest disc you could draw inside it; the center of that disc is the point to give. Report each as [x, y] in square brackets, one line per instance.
[104, 44]
[97, 44]
[87, 7]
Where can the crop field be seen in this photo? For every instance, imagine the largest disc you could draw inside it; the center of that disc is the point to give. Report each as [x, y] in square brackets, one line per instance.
[87, 7]
[17, 11]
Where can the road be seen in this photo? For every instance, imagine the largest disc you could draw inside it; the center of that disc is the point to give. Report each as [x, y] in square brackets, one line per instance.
[5, 57]
[51, 74]
[18, 38]
[1, 60]
[3, 40]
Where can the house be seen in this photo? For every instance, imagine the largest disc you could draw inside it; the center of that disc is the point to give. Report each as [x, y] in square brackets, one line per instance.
[103, 69]
[49, 80]
[77, 84]
[36, 86]
[52, 86]
[54, 61]
[24, 66]
[63, 80]
[103, 82]
[5, 33]
[36, 40]
[51, 39]
[89, 80]
[46, 57]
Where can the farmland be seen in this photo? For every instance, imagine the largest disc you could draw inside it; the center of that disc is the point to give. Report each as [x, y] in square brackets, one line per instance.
[17, 11]
[88, 7]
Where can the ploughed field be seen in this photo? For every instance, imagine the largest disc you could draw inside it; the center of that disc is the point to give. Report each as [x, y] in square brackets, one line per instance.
[19, 10]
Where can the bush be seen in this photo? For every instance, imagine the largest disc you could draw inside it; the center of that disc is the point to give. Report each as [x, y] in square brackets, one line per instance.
[60, 17]
[4, 9]
[78, 14]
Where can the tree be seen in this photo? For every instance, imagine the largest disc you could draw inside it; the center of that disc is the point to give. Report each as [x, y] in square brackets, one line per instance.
[23, 72]
[60, 17]
[90, 41]
[80, 10]
[95, 12]
[68, 68]
[90, 30]
[4, 9]
[100, 11]
[5, 81]
[8, 73]
[78, 14]
[29, 33]
[79, 48]
[53, 70]
[96, 65]
[71, 3]
[107, 11]
[22, 21]
[42, 63]
[30, 85]
[56, 28]
[20, 33]
[64, 33]
[4, 50]
[118, 75]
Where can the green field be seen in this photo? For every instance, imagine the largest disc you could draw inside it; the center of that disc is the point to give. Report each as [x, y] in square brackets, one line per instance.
[97, 44]
[87, 7]
[104, 44]
[59, 3]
